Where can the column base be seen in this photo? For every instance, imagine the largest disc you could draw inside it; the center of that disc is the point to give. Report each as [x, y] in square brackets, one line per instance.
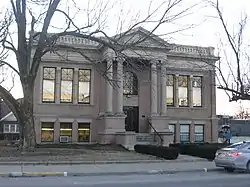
[109, 126]
[126, 139]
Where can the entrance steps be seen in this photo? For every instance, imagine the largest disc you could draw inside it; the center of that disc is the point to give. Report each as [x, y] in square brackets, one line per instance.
[145, 138]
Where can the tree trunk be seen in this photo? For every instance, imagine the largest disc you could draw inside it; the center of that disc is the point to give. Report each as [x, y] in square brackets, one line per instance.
[27, 132]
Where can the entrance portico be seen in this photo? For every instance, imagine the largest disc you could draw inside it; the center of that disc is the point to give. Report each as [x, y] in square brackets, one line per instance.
[116, 123]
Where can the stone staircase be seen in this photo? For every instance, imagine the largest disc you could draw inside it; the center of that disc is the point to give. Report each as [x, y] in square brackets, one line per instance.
[145, 138]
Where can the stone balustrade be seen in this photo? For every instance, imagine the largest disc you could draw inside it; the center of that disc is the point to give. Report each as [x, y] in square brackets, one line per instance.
[77, 41]
[194, 50]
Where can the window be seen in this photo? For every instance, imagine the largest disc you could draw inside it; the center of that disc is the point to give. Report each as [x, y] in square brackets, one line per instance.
[83, 132]
[10, 128]
[6, 128]
[184, 133]
[170, 90]
[66, 130]
[47, 132]
[172, 129]
[49, 78]
[84, 86]
[199, 133]
[183, 90]
[197, 91]
[66, 85]
[130, 84]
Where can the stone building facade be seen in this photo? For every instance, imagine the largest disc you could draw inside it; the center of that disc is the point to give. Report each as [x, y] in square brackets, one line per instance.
[157, 92]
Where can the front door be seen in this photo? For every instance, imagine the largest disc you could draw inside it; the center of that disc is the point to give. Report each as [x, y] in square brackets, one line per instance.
[132, 119]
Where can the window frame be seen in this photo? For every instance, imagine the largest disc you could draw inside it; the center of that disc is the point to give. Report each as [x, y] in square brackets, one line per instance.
[49, 130]
[203, 133]
[173, 86]
[16, 131]
[90, 81]
[183, 87]
[80, 129]
[135, 86]
[201, 77]
[70, 128]
[174, 133]
[43, 68]
[72, 87]
[188, 141]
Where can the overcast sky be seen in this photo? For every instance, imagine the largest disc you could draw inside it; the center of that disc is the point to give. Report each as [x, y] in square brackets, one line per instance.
[207, 33]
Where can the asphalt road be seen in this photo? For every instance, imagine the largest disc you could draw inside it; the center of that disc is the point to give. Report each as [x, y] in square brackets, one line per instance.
[213, 179]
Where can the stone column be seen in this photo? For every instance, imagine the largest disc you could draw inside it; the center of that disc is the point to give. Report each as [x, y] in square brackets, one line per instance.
[153, 88]
[75, 86]
[74, 131]
[177, 133]
[190, 91]
[58, 85]
[192, 132]
[120, 86]
[176, 90]
[163, 91]
[57, 131]
[213, 92]
[109, 89]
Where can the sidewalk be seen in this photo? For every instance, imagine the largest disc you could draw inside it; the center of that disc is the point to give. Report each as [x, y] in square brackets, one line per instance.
[106, 169]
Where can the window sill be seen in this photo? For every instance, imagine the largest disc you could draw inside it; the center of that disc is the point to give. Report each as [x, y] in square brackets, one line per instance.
[67, 104]
[186, 107]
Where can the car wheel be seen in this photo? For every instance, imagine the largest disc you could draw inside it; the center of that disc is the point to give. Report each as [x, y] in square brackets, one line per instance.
[229, 170]
[248, 166]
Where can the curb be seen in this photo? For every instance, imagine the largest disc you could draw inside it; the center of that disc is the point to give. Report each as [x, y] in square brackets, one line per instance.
[95, 162]
[69, 174]
[34, 174]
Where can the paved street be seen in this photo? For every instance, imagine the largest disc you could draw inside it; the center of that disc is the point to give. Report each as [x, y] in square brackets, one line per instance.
[109, 168]
[213, 179]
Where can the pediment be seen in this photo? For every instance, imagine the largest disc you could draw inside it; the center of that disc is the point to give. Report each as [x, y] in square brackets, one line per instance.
[9, 117]
[143, 38]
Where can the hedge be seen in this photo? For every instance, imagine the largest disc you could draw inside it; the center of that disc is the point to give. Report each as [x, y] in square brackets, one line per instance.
[168, 153]
[202, 150]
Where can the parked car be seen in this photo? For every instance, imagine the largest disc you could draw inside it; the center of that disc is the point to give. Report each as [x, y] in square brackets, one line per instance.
[234, 156]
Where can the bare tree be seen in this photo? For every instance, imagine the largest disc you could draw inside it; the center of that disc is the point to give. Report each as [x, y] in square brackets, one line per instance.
[233, 70]
[242, 113]
[30, 48]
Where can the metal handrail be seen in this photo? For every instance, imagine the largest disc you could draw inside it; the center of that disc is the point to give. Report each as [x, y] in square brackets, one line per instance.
[155, 132]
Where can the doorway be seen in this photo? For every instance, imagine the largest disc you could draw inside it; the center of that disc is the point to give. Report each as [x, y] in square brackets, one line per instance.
[132, 119]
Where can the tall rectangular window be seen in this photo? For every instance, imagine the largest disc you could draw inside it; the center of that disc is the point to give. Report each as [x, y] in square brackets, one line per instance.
[170, 90]
[183, 90]
[197, 91]
[199, 133]
[49, 78]
[67, 75]
[47, 132]
[185, 133]
[172, 129]
[83, 132]
[84, 86]
[66, 130]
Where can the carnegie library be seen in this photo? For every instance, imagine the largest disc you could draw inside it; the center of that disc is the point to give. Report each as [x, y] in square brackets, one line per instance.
[156, 93]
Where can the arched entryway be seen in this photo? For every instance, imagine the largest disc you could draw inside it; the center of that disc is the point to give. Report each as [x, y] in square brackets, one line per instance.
[130, 90]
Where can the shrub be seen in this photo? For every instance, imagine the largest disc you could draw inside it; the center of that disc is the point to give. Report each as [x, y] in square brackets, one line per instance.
[207, 152]
[168, 153]
[202, 150]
